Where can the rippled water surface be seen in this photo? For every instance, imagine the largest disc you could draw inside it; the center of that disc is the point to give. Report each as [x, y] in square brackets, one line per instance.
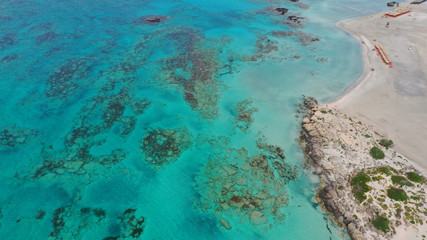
[169, 119]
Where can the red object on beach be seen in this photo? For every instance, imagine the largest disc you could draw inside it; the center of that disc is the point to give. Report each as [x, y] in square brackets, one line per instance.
[395, 16]
[372, 69]
[375, 40]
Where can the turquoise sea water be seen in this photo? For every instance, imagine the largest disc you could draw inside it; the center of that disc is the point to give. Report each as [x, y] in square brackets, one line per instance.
[115, 127]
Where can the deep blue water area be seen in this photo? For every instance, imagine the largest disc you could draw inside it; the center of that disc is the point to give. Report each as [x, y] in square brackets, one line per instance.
[168, 119]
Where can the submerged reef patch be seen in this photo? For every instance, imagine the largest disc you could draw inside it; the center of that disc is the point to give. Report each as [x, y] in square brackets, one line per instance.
[163, 146]
[189, 60]
[98, 117]
[14, 136]
[10, 58]
[46, 37]
[235, 185]
[71, 222]
[64, 81]
[131, 226]
[1, 216]
[151, 20]
[8, 39]
[304, 38]
[271, 45]
[245, 111]
[65, 226]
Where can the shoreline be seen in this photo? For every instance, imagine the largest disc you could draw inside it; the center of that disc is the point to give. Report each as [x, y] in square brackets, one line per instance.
[392, 100]
[364, 75]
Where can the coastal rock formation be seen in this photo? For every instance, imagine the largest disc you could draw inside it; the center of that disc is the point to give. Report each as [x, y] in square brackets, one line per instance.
[374, 193]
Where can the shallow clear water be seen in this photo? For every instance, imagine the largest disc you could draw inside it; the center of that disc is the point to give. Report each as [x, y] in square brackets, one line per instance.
[115, 127]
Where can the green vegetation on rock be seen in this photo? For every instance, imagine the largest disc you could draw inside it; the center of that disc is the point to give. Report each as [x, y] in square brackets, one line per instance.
[397, 194]
[416, 198]
[376, 153]
[386, 143]
[401, 181]
[385, 170]
[360, 187]
[414, 177]
[381, 223]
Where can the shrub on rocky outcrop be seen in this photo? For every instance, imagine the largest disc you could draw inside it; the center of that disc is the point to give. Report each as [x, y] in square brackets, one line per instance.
[360, 187]
[385, 170]
[376, 153]
[401, 181]
[381, 223]
[386, 143]
[414, 177]
[397, 194]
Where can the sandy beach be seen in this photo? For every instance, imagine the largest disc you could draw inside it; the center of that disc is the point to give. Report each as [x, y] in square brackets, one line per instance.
[392, 99]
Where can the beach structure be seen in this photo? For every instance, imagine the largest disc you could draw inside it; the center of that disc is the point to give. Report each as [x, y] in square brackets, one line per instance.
[398, 11]
[383, 54]
[418, 1]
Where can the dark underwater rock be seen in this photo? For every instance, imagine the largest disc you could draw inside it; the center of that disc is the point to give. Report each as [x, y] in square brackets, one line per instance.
[282, 10]
[151, 19]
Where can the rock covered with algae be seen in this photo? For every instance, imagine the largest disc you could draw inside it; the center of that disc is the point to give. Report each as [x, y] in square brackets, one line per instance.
[65, 80]
[245, 111]
[195, 67]
[71, 222]
[14, 136]
[163, 146]
[233, 184]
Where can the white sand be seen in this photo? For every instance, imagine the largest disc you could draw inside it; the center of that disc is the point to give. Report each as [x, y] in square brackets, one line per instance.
[393, 100]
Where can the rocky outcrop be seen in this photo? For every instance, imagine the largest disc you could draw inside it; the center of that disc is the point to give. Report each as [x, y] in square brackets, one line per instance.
[338, 147]
[311, 142]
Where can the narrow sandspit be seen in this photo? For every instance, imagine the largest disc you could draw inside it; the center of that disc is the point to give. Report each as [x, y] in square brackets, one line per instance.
[369, 187]
[392, 98]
